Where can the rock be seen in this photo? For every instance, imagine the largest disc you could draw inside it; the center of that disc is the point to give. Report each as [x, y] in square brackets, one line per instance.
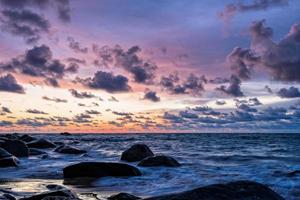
[65, 133]
[36, 152]
[136, 152]
[100, 169]
[293, 173]
[55, 187]
[7, 160]
[59, 194]
[69, 150]
[123, 196]
[7, 197]
[15, 147]
[41, 144]
[27, 138]
[239, 190]
[159, 160]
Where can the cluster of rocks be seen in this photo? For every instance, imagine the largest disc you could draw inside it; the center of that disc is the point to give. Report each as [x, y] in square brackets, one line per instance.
[13, 147]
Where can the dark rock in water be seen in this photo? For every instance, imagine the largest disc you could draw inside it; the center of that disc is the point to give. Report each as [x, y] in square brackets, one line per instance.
[293, 173]
[239, 190]
[7, 160]
[100, 169]
[59, 194]
[15, 147]
[123, 196]
[36, 152]
[55, 187]
[136, 152]
[59, 143]
[65, 133]
[27, 138]
[13, 136]
[69, 150]
[159, 160]
[41, 144]
[7, 197]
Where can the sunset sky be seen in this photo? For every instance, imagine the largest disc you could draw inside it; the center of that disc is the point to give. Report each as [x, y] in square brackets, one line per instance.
[149, 66]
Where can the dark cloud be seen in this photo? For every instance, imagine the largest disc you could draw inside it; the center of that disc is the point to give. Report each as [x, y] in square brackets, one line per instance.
[234, 87]
[220, 102]
[269, 90]
[249, 102]
[282, 59]
[52, 82]
[219, 80]
[81, 95]
[32, 123]
[122, 113]
[192, 85]
[35, 111]
[92, 112]
[5, 110]
[151, 96]
[38, 62]
[114, 99]
[8, 83]
[291, 92]
[246, 108]
[108, 82]
[56, 100]
[142, 70]
[62, 6]
[24, 23]
[232, 9]
[82, 118]
[75, 46]
[76, 60]
[4, 123]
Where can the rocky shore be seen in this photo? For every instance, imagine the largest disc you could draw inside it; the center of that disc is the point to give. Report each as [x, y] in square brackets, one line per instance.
[14, 147]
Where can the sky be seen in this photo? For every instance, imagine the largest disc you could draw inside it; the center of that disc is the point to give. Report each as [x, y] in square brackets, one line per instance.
[105, 66]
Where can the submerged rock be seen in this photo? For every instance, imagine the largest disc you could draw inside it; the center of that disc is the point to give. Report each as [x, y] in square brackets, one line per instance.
[239, 190]
[69, 150]
[7, 160]
[123, 196]
[15, 147]
[159, 160]
[41, 144]
[136, 152]
[100, 169]
[293, 173]
[59, 194]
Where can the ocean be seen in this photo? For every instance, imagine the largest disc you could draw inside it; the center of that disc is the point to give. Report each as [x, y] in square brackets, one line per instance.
[205, 158]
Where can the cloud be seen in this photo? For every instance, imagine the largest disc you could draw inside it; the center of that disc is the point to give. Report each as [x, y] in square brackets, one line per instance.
[114, 99]
[231, 10]
[220, 102]
[151, 96]
[6, 110]
[193, 84]
[291, 92]
[4, 123]
[56, 100]
[234, 87]
[219, 80]
[35, 111]
[82, 118]
[122, 113]
[24, 23]
[8, 83]
[39, 62]
[75, 46]
[62, 6]
[92, 112]
[108, 82]
[32, 123]
[142, 70]
[281, 59]
[81, 95]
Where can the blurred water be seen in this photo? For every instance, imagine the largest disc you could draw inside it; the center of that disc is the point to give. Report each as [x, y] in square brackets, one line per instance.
[205, 159]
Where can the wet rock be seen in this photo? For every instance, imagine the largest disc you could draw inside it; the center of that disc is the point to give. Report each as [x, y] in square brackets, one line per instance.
[239, 190]
[7, 160]
[59, 143]
[41, 144]
[36, 152]
[136, 152]
[123, 196]
[159, 160]
[15, 147]
[7, 197]
[59, 194]
[55, 187]
[27, 138]
[69, 150]
[65, 133]
[100, 169]
[293, 173]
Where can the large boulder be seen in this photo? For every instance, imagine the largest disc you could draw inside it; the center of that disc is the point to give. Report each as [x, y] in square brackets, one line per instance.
[137, 152]
[159, 160]
[100, 169]
[15, 147]
[27, 138]
[41, 144]
[59, 194]
[239, 190]
[7, 160]
[69, 150]
[123, 196]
